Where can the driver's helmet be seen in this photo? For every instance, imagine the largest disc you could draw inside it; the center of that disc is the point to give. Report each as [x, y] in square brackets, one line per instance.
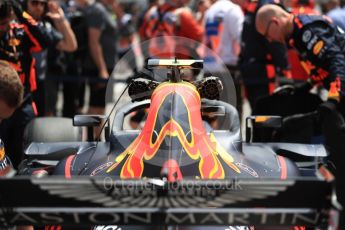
[5, 164]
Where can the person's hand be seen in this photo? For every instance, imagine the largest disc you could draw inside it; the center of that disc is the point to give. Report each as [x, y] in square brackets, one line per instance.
[103, 74]
[55, 12]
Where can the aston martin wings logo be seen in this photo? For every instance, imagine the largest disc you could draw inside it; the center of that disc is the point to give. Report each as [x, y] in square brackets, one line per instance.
[147, 193]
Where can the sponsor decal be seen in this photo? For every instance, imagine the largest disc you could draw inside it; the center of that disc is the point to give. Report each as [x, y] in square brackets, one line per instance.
[14, 42]
[239, 228]
[190, 218]
[306, 36]
[2, 153]
[311, 42]
[317, 47]
[109, 227]
[322, 52]
[340, 30]
[100, 168]
[4, 162]
[30, 19]
[247, 169]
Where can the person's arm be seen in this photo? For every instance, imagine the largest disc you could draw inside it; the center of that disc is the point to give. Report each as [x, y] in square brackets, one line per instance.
[97, 52]
[334, 59]
[144, 27]
[325, 52]
[201, 11]
[278, 55]
[69, 41]
[189, 27]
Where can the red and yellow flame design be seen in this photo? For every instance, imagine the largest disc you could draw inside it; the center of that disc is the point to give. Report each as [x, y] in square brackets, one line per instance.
[201, 147]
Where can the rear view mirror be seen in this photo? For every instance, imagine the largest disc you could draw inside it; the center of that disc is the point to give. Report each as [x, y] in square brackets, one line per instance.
[260, 128]
[265, 121]
[88, 120]
[213, 110]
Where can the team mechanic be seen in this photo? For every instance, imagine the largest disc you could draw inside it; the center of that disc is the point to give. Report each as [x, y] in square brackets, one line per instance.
[321, 46]
[18, 39]
[260, 61]
[11, 95]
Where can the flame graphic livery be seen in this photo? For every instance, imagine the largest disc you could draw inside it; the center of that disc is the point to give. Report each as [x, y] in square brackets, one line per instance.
[200, 147]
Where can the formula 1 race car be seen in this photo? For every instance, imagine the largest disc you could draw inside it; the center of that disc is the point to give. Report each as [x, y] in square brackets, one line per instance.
[177, 170]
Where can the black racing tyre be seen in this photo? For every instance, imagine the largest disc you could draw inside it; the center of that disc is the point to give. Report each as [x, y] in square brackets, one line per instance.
[51, 129]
